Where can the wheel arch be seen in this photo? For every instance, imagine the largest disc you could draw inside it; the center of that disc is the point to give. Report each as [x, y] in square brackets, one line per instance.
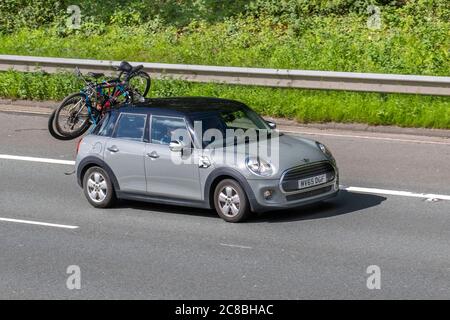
[220, 174]
[90, 162]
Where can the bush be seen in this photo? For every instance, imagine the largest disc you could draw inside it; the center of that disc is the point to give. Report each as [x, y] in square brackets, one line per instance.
[16, 14]
[403, 45]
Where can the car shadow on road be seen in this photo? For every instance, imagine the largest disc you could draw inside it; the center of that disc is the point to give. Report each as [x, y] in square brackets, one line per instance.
[345, 203]
[166, 208]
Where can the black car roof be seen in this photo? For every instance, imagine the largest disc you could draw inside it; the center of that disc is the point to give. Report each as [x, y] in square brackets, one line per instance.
[184, 105]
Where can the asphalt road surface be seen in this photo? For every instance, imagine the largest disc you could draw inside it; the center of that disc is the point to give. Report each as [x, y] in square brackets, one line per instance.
[139, 250]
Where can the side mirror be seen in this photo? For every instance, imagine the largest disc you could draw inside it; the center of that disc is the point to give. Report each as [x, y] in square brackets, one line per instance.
[176, 146]
[272, 125]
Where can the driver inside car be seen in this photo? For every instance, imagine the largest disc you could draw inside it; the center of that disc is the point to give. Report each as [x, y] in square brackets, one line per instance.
[167, 136]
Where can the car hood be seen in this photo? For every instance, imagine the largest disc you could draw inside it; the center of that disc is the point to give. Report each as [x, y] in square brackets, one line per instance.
[290, 151]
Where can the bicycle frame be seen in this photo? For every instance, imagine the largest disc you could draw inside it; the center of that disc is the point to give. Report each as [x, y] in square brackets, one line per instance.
[89, 106]
[100, 88]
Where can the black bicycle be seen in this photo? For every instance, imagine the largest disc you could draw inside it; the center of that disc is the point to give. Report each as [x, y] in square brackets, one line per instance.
[80, 110]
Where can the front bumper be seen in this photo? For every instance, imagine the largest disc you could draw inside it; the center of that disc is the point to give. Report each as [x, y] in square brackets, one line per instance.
[282, 200]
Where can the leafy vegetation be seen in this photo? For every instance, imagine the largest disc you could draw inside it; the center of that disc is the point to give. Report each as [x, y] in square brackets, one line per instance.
[413, 37]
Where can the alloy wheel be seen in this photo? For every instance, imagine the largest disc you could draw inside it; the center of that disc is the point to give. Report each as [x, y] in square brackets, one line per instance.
[229, 201]
[97, 187]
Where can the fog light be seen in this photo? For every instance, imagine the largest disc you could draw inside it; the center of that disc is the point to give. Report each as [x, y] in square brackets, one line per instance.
[268, 194]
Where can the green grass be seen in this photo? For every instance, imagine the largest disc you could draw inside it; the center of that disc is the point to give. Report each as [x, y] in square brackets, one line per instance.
[303, 105]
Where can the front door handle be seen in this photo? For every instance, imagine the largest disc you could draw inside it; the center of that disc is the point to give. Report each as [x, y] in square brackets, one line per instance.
[113, 149]
[153, 155]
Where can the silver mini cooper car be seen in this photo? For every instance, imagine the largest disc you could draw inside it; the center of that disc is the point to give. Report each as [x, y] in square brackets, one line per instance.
[202, 152]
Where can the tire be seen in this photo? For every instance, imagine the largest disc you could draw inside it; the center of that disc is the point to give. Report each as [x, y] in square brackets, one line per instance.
[52, 129]
[58, 121]
[145, 85]
[228, 207]
[98, 189]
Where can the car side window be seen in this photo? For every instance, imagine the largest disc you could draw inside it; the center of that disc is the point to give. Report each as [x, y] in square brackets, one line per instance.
[100, 126]
[131, 126]
[105, 127]
[166, 129]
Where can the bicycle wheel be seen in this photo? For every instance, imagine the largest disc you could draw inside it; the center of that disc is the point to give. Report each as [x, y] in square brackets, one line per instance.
[140, 83]
[52, 129]
[72, 116]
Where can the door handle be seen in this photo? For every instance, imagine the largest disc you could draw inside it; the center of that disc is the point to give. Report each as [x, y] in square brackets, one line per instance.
[113, 149]
[153, 155]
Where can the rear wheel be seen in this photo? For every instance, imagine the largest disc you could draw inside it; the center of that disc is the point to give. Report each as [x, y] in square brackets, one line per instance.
[230, 201]
[140, 85]
[98, 188]
[72, 116]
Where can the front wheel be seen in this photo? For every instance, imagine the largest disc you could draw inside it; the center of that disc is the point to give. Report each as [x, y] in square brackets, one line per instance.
[72, 116]
[230, 201]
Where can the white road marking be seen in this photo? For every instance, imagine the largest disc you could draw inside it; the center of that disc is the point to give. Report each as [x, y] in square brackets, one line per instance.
[33, 159]
[235, 246]
[368, 137]
[397, 193]
[39, 223]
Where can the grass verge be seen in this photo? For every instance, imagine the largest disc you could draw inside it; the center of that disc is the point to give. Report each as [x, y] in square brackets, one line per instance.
[303, 105]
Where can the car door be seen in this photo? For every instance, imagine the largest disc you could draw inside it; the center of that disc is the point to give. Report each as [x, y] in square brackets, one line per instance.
[124, 152]
[171, 174]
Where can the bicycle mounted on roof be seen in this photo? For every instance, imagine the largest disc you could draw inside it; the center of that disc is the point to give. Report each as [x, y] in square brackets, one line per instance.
[80, 110]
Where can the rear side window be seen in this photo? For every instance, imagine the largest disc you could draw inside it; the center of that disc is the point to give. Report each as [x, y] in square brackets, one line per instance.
[131, 126]
[101, 125]
[105, 127]
[108, 127]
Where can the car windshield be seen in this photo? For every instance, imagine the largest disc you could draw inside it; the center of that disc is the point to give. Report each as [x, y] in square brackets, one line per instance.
[216, 124]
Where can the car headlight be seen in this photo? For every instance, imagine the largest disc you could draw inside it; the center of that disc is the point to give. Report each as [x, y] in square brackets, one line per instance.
[259, 166]
[325, 150]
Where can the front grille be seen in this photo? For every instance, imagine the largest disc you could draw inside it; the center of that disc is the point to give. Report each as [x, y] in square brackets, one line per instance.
[291, 177]
[308, 194]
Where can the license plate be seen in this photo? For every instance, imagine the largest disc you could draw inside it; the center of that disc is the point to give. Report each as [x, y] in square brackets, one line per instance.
[313, 181]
